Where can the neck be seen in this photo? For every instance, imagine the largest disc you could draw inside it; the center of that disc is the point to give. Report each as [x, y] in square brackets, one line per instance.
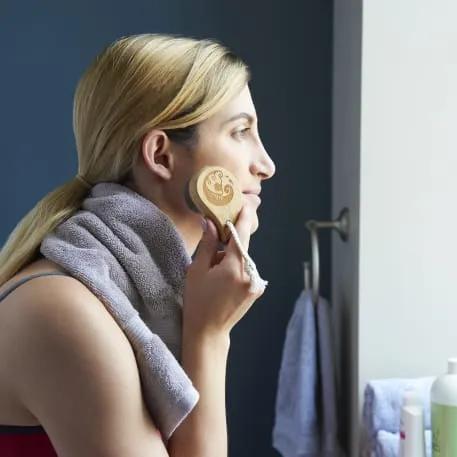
[188, 226]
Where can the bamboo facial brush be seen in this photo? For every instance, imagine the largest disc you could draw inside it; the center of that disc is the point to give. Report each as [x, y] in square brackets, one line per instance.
[215, 193]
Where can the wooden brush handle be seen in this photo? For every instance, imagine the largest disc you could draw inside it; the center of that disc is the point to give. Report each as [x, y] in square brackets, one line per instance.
[217, 195]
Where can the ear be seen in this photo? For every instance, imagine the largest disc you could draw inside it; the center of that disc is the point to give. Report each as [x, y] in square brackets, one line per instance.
[157, 154]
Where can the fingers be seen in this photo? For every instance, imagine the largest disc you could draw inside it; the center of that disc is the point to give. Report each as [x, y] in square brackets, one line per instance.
[218, 257]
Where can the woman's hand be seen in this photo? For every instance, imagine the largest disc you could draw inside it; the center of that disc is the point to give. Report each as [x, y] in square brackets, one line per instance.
[216, 290]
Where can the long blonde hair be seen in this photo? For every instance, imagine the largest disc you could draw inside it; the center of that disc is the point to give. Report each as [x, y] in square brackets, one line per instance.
[135, 84]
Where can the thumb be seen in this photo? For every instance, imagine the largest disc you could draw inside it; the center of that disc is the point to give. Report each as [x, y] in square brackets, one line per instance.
[207, 247]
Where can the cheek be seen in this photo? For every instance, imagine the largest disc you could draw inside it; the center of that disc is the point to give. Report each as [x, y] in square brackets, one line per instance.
[228, 155]
[234, 151]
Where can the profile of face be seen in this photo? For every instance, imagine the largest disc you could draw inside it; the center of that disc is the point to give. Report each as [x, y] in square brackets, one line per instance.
[229, 138]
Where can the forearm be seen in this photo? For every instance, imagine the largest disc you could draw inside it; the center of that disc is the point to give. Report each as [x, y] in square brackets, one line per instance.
[203, 433]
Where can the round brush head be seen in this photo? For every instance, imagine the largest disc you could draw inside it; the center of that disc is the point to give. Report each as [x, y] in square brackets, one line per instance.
[215, 193]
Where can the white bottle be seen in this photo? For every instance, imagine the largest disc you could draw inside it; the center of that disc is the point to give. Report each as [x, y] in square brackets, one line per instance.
[443, 398]
[412, 434]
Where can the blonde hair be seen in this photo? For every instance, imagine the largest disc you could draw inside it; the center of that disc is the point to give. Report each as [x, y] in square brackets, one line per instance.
[135, 84]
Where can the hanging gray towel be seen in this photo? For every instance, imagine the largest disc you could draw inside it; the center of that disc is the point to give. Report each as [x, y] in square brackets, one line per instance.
[131, 256]
[305, 423]
[295, 431]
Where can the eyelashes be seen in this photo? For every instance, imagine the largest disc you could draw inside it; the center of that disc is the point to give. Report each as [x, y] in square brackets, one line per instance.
[242, 132]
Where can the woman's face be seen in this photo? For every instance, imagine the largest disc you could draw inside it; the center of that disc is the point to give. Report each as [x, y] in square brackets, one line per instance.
[229, 139]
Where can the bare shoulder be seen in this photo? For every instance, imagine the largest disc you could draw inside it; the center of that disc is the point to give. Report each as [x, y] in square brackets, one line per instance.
[63, 299]
[60, 307]
[75, 371]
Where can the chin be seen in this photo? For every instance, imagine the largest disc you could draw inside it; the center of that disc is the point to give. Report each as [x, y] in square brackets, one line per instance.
[255, 225]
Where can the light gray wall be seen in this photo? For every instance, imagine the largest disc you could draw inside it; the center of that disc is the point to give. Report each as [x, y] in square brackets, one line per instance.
[394, 162]
[408, 245]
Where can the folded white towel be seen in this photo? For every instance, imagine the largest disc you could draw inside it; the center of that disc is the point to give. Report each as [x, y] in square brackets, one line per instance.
[388, 444]
[383, 399]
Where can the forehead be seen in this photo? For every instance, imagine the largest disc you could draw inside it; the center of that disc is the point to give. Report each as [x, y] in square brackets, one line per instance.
[242, 102]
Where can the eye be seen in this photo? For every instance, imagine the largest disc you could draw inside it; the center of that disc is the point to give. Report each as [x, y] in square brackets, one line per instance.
[242, 132]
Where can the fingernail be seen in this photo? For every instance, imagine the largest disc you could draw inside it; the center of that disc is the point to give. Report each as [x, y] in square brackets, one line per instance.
[204, 224]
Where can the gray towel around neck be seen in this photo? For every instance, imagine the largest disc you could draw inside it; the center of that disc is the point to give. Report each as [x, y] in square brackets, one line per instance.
[131, 256]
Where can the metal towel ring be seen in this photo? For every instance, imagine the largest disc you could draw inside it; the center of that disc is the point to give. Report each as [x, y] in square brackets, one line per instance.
[341, 225]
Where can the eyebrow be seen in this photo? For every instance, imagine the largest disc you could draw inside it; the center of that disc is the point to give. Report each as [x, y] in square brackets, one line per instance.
[238, 116]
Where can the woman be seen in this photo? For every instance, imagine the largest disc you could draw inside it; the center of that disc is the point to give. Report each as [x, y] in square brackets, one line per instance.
[149, 112]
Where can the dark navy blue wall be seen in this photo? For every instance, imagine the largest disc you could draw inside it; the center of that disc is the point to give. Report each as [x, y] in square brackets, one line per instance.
[45, 46]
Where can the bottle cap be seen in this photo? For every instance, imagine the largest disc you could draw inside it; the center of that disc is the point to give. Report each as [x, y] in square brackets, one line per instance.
[452, 365]
[411, 397]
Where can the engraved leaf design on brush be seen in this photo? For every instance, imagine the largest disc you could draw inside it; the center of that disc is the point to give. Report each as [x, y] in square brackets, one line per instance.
[218, 188]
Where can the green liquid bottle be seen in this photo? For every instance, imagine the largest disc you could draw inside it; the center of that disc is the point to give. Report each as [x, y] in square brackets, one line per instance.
[443, 398]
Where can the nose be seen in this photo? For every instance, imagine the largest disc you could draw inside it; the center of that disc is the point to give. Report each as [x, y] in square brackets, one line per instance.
[264, 165]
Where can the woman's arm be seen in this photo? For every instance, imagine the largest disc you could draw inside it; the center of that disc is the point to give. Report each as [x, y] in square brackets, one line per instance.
[203, 433]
